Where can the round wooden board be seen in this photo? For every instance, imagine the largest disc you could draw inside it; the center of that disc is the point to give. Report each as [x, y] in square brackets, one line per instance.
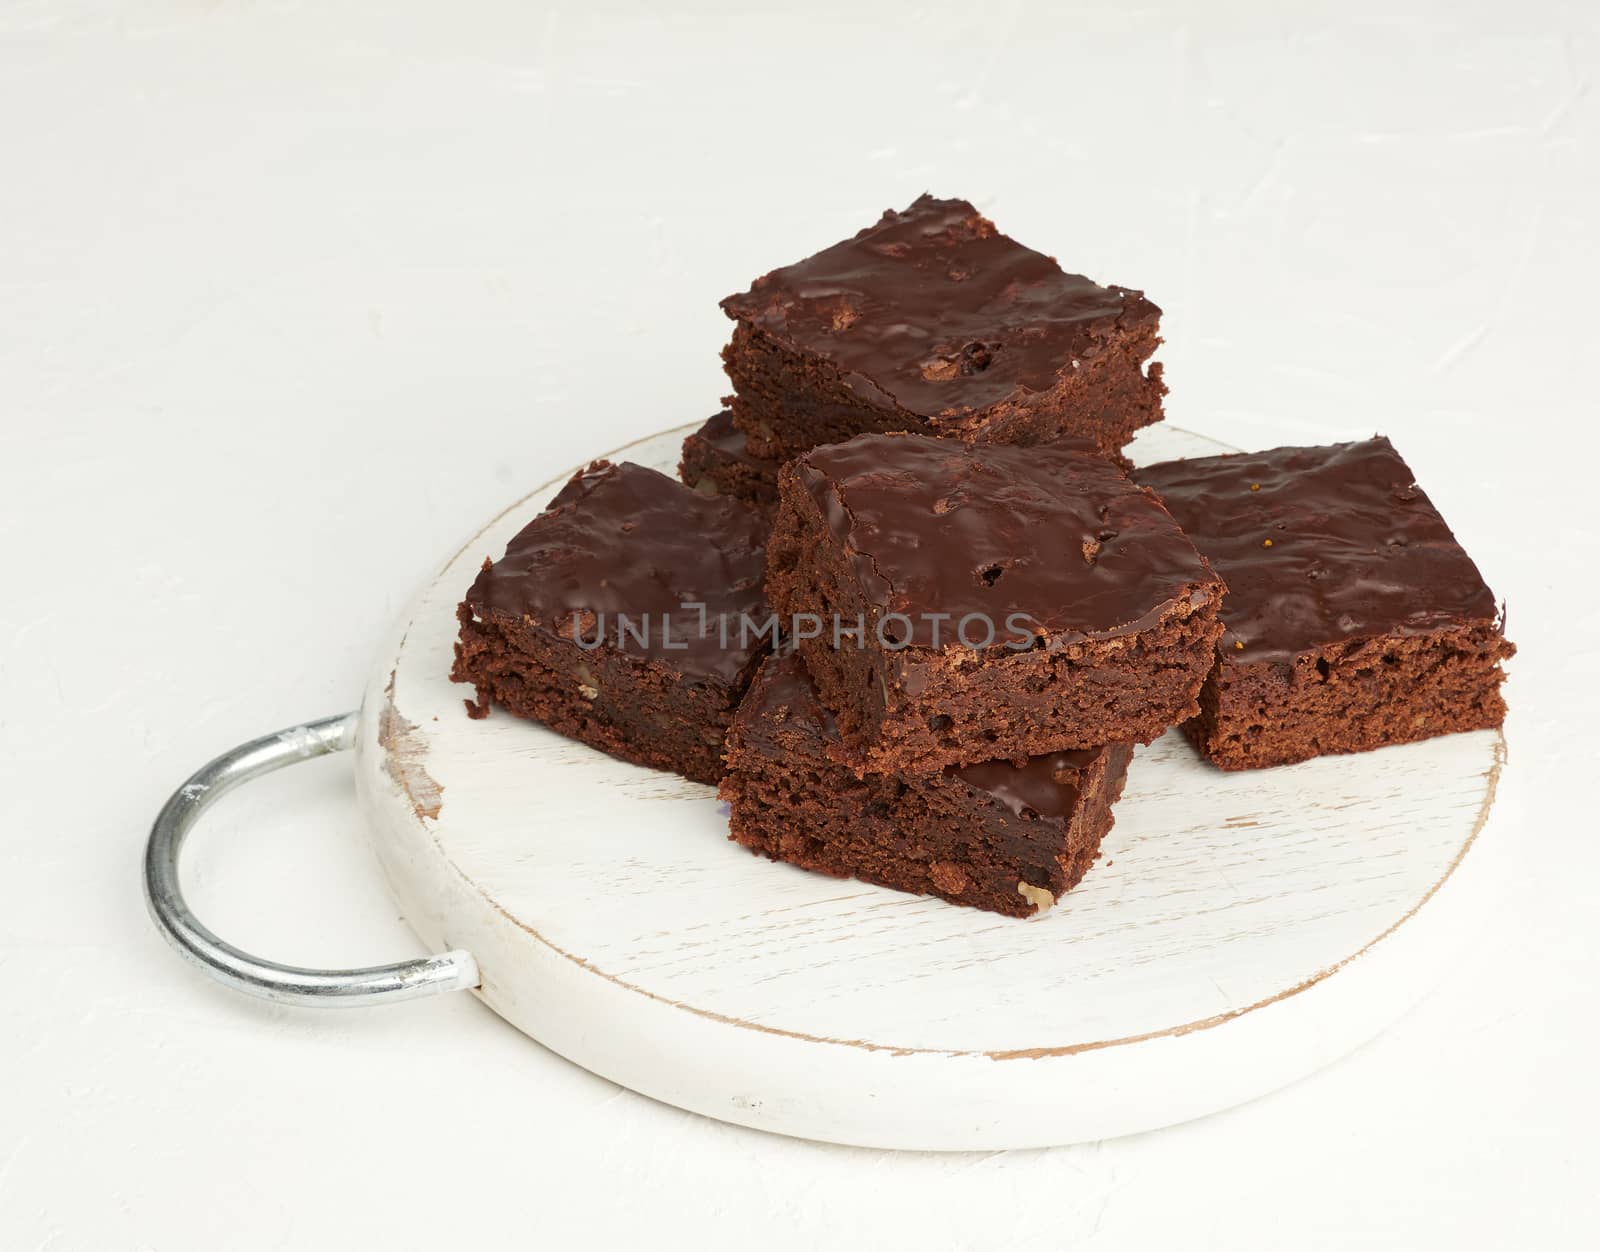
[1240, 931]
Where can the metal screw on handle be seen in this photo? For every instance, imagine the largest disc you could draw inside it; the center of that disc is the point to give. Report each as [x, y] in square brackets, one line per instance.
[285, 984]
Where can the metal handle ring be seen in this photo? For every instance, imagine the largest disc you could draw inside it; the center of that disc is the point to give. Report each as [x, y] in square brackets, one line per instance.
[284, 984]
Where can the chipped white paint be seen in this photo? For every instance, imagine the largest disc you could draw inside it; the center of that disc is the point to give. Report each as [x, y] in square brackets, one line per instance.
[1241, 930]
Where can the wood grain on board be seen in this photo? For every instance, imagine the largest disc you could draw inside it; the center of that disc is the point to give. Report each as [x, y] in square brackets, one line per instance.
[615, 921]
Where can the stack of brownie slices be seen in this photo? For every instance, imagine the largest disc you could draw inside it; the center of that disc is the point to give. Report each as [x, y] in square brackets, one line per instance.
[913, 609]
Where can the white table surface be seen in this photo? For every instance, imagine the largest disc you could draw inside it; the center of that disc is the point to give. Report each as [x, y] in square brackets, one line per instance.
[292, 298]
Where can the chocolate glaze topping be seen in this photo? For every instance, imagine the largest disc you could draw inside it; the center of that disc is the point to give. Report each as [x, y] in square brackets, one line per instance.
[1046, 785]
[783, 691]
[1056, 535]
[622, 539]
[729, 440]
[936, 311]
[1321, 545]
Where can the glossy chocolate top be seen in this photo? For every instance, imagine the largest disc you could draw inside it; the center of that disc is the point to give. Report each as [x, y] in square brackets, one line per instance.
[783, 696]
[730, 444]
[1047, 785]
[1050, 542]
[782, 693]
[936, 311]
[625, 541]
[1321, 545]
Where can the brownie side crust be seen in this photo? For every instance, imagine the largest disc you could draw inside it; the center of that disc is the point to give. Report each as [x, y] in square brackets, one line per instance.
[1354, 619]
[1104, 616]
[933, 321]
[583, 624]
[1003, 836]
[717, 461]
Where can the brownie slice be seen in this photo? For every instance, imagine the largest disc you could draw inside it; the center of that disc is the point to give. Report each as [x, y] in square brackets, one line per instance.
[716, 461]
[965, 602]
[605, 618]
[933, 321]
[1353, 617]
[1005, 836]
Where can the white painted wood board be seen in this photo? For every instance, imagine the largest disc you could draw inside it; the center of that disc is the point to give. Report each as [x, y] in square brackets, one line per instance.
[1239, 932]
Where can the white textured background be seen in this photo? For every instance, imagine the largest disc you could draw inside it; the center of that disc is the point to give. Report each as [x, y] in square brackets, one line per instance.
[293, 296]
